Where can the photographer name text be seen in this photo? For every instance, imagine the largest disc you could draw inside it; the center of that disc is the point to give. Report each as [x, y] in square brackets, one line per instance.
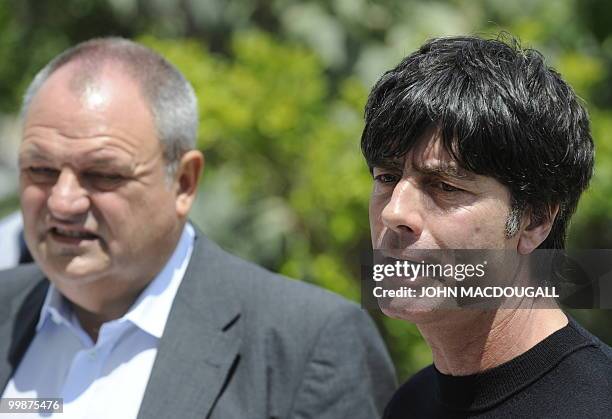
[466, 292]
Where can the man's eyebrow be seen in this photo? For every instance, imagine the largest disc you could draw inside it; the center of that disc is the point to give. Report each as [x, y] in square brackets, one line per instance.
[389, 164]
[92, 160]
[441, 169]
[105, 163]
[445, 170]
[33, 153]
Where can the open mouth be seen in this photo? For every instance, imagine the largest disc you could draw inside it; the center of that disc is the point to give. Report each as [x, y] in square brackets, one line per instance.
[71, 236]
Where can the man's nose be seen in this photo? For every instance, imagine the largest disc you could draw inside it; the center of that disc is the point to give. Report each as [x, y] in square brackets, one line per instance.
[68, 199]
[403, 214]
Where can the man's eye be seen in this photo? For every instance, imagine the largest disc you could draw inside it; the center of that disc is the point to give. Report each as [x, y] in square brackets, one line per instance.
[42, 170]
[105, 176]
[103, 180]
[386, 178]
[445, 187]
[42, 174]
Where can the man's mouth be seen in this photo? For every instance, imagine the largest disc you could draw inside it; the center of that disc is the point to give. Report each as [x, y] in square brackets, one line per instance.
[410, 256]
[71, 236]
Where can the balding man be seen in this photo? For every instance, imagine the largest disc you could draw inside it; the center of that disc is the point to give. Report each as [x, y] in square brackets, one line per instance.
[129, 311]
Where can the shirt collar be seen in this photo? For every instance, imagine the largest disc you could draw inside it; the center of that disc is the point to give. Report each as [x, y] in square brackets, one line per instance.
[54, 308]
[151, 309]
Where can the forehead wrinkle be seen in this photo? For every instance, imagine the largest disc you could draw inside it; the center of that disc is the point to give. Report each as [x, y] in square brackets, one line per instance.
[432, 159]
[106, 134]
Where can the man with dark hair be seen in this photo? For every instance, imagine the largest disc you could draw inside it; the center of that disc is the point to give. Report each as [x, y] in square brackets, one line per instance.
[477, 144]
[129, 310]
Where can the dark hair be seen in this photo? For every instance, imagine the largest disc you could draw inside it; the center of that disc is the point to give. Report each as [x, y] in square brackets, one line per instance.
[501, 112]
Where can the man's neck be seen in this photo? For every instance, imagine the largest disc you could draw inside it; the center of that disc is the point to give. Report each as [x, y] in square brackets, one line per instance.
[468, 342]
[92, 321]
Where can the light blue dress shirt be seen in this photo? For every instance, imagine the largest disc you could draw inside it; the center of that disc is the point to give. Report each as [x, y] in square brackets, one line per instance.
[105, 379]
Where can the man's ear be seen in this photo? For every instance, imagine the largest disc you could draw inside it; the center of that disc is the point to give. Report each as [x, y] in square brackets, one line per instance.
[535, 229]
[186, 180]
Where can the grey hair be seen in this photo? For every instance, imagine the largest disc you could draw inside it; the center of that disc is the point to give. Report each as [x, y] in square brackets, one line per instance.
[170, 96]
[513, 221]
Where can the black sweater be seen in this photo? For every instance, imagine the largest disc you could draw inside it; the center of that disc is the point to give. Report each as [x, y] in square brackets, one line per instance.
[567, 375]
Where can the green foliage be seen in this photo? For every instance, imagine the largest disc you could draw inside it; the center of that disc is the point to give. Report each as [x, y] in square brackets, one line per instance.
[273, 132]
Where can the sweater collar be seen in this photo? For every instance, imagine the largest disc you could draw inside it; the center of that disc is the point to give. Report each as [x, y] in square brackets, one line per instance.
[483, 390]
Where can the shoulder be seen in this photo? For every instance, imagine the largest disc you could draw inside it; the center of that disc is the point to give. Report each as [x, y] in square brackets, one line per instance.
[603, 351]
[591, 365]
[17, 284]
[581, 381]
[290, 316]
[301, 338]
[268, 295]
[20, 279]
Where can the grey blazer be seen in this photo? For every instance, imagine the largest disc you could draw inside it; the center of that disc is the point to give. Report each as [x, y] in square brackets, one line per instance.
[240, 342]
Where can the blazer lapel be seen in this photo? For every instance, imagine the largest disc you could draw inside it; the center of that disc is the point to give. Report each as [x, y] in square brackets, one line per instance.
[200, 342]
[18, 328]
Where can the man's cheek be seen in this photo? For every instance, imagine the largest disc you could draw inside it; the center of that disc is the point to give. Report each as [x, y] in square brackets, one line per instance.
[376, 225]
[377, 230]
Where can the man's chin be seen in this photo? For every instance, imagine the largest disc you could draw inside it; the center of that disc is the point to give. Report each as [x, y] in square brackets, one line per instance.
[78, 269]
